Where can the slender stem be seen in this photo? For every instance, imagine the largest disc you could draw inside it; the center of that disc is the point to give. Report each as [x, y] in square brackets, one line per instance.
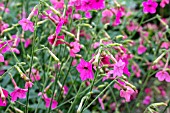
[100, 94]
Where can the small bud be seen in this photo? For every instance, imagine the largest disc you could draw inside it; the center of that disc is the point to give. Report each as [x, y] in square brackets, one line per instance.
[55, 58]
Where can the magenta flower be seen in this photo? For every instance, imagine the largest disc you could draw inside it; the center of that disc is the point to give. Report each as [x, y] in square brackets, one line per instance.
[28, 85]
[1, 58]
[60, 24]
[27, 42]
[98, 4]
[118, 68]
[3, 96]
[127, 93]
[48, 100]
[51, 39]
[147, 100]
[101, 103]
[58, 4]
[163, 75]
[164, 2]
[85, 70]
[106, 16]
[35, 76]
[149, 6]
[18, 93]
[65, 89]
[26, 25]
[74, 48]
[141, 49]
[118, 17]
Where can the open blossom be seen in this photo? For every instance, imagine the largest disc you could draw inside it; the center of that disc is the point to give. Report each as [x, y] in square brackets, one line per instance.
[48, 100]
[85, 70]
[35, 76]
[3, 96]
[147, 100]
[164, 2]
[26, 25]
[18, 93]
[58, 4]
[127, 93]
[106, 16]
[118, 17]
[28, 84]
[52, 38]
[149, 6]
[74, 48]
[163, 75]
[118, 68]
[141, 49]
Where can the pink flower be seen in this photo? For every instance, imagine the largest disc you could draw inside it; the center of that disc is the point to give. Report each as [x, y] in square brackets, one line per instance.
[60, 24]
[74, 48]
[163, 75]
[141, 49]
[28, 85]
[27, 42]
[26, 25]
[147, 100]
[149, 6]
[65, 88]
[117, 20]
[18, 93]
[3, 96]
[113, 106]
[35, 75]
[127, 93]
[106, 16]
[52, 38]
[74, 62]
[118, 68]
[98, 4]
[164, 2]
[48, 100]
[58, 4]
[1, 58]
[85, 70]
[101, 103]
[163, 92]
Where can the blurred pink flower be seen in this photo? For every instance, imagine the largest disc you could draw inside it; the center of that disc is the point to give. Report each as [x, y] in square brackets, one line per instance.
[28, 85]
[48, 100]
[52, 38]
[74, 48]
[141, 49]
[101, 103]
[3, 96]
[35, 75]
[26, 25]
[58, 4]
[1, 58]
[65, 88]
[18, 93]
[85, 70]
[163, 75]
[118, 68]
[126, 93]
[147, 100]
[27, 42]
[164, 2]
[149, 6]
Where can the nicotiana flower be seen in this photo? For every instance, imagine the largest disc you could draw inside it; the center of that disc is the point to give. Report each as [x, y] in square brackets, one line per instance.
[147, 100]
[163, 75]
[52, 38]
[28, 84]
[126, 93]
[26, 25]
[149, 6]
[65, 89]
[118, 68]
[1, 58]
[3, 96]
[74, 48]
[141, 49]
[101, 103]
[18, 93]
[35, 76]
[48, 100]
[164, 2]
[85, 70]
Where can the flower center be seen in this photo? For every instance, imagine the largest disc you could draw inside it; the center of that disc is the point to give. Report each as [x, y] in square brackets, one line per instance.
[86, 68]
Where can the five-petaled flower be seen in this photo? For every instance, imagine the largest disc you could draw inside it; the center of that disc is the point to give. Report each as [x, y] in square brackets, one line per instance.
[85, 70]
[149, 6]
[26, 25]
